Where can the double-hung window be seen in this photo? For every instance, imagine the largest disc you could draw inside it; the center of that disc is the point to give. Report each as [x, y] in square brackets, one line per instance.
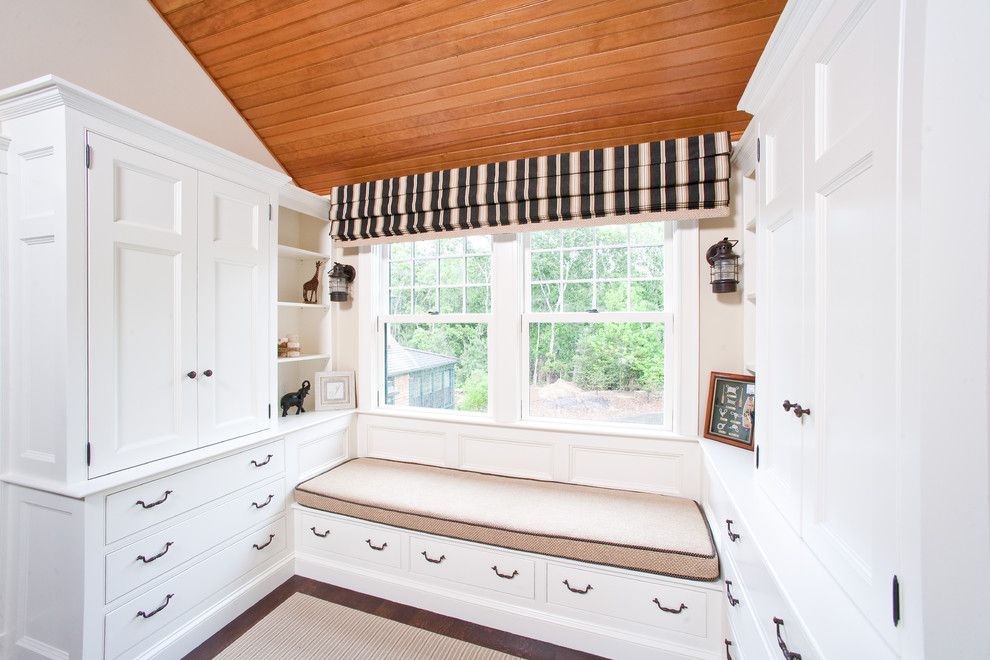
[436, 325]
[595, 324]
[590, 327]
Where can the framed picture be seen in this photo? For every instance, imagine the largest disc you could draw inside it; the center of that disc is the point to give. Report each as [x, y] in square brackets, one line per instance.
[730, 414]
[334, 390]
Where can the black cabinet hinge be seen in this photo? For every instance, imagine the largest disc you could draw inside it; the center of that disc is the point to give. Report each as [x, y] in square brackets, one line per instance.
[89, 156]
[895, 592]
[269, 213]
[757, 150]
[757, 457]
[269, 411]
[89, 453]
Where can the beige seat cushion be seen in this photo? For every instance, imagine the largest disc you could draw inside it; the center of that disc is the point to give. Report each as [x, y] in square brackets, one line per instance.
[640, 531]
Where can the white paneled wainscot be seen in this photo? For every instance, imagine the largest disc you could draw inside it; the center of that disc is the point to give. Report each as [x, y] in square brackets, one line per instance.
[667, 465]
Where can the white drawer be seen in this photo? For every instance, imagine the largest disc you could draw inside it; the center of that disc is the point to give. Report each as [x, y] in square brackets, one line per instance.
[144, 560]
[489, 569]
[729, 531]
[667, 606]
[144, 615]
[352, 539]
[150, 503]
[741, 621]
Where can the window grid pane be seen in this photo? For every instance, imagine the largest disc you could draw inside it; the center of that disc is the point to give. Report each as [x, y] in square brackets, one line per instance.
[615, 268]
[440, 276]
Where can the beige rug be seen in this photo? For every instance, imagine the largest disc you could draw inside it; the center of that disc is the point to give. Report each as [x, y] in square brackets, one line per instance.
[308, 627]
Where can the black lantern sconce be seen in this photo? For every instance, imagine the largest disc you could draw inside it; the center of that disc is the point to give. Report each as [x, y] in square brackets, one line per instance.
[725, 266]
[341, 276]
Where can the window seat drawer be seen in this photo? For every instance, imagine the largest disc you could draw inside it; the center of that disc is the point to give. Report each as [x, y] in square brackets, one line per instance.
[163, 551]
[370, 543]
[488, 569]
[666, 606]
[150, 503]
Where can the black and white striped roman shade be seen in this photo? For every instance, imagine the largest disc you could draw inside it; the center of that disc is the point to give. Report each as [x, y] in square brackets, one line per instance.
[670, 179]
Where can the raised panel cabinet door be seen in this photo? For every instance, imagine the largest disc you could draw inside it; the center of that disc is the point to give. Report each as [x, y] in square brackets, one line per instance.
[780, 312]
[234, 304]
[142, 306]
[851, 478]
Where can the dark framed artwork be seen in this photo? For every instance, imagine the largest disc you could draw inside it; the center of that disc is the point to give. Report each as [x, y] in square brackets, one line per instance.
[730, 415]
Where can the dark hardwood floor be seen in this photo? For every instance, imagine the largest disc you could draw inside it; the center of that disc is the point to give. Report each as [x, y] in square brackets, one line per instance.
[499, 640]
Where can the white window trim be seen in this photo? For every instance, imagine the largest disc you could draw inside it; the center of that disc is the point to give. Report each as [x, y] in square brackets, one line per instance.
[505, 330]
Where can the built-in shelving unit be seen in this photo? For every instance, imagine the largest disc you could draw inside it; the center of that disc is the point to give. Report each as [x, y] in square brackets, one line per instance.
[303, 241]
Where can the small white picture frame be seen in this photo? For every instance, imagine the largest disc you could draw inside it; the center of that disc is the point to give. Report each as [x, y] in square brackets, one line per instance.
[335, 390]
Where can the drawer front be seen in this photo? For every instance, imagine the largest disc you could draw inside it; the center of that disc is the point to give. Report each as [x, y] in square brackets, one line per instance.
[488, 569]
[148, 504]
[728, 530]
[741, 622]
[356, 540]
[148, 613]
[144, 560]
[667, 606]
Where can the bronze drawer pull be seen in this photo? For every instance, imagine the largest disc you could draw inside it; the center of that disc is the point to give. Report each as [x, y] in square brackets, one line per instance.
[323, 535]
[264, 462]
[732, 535]
[505, 576]
[788, 654]
[156, 503]
[670, 610]
[728, 656]
[267, 502]
[148, 615]
[148, 560]
[271, 537]
[578, 591]
[432, 561]
[728, 593]
[376, 547]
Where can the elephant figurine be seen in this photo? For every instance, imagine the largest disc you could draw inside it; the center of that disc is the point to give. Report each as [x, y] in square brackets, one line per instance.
[295, 399]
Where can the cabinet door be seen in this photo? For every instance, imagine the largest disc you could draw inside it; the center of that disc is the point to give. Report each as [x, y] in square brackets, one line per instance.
[234, 308]
[142, 306]
[850, 517]
[780, 329]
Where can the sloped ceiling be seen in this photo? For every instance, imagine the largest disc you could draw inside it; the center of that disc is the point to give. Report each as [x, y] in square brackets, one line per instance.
[343, 92]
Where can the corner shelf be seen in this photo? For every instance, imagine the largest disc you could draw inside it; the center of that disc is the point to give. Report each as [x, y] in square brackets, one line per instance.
[299, 253]
[304, 358]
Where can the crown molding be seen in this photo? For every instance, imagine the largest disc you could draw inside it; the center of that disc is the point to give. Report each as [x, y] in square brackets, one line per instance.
[303, 201]
[744, 150]
[793, 27]
[52, 92]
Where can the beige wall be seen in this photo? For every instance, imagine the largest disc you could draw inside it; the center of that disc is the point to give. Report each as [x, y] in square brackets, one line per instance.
[720, 316]
[123, 50]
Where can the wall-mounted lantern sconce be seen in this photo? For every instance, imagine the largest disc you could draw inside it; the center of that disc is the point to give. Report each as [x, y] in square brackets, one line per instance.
[341, 276]
[725, 266]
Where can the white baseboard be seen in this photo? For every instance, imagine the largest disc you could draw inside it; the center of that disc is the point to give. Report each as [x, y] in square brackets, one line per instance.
[196, 631]
[544, 626]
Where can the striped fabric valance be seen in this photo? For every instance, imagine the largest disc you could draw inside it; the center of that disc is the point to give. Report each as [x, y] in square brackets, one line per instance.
[681, 178]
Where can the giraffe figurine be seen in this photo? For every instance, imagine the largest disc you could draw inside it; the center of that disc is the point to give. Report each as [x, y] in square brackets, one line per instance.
[310, 287]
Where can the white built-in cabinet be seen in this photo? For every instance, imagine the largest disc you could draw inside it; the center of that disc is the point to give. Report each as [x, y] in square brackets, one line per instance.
[178, 307]
[828, 325]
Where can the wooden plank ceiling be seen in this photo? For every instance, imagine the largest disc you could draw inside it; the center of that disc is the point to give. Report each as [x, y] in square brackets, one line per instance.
[344, 92]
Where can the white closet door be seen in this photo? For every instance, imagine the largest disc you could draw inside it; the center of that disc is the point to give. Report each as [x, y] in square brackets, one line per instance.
[781, 333]
[850, 517]
[234, 349]
[142, 306]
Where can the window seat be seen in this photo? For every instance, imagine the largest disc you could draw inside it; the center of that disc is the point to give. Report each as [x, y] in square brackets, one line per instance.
[638, 531]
